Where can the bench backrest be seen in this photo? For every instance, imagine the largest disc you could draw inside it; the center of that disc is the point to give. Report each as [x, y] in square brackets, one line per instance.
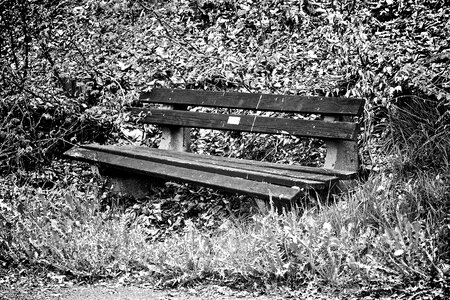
[335, 107]
[339, 135]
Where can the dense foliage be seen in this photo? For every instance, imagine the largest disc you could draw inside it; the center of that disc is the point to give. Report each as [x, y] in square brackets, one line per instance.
[70, 68]
[67, 63]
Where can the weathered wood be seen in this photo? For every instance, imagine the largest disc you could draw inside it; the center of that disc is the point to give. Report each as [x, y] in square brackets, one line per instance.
[128, 183]
[250, 123]
[341, 155]
[259, 179]
[175, 138]
[203, 163]
[231, 184]
[263, 102]
[299, 171]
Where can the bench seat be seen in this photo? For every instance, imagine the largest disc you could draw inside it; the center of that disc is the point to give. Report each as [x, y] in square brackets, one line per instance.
[263, 180]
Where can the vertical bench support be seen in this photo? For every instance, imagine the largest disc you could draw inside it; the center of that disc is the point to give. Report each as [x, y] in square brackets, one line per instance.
[341, 155]
[174, 137]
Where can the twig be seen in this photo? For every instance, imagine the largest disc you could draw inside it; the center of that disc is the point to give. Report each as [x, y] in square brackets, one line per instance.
[84, 57]
[23, 15]
[417, 294]
[165, 25]
[27, 90]
[49, 58]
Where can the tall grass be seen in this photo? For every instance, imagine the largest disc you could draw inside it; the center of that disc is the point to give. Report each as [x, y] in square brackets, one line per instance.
[370, 235]
[387, 229]
[64, 228]
[419, 135]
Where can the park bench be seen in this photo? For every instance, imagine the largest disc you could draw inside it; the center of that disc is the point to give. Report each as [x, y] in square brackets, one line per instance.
[263, 180]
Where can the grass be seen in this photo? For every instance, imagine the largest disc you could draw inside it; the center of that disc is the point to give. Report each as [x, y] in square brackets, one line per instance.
[64, 228]
[387, 230]
[368, 240]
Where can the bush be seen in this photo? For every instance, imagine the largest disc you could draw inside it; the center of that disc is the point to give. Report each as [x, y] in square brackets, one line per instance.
[33, 133]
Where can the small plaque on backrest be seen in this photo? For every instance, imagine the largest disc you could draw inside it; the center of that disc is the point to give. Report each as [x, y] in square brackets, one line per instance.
[234, 120]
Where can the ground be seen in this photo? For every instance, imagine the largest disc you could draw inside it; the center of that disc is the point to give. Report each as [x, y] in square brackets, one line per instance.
[23, 284]
[29, 289]
[112, 292]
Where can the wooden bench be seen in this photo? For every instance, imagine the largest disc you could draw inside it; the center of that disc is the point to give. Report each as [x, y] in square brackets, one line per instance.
[262, 180]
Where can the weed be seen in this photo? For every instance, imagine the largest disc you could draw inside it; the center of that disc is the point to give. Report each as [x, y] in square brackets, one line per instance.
[64, 228]
[374, 233]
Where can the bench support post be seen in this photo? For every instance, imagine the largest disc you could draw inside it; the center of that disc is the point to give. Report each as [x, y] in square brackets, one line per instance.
[174, 137]
[341, 155]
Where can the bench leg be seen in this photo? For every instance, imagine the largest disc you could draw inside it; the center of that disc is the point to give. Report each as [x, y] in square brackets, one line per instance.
[175, 137]
[329, 195]
[342, 155]
[128, 183]
[265, 206]
[262, 205]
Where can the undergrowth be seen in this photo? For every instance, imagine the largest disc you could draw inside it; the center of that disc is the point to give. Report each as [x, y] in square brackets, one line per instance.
[387, 230]
[64, 229]
[392, 229]
[371, 235]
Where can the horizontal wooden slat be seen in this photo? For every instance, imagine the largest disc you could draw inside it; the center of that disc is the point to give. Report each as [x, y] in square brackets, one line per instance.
[236, 162]
[244, 163]
[249, 123]
[204, 163]
[239, 163]
[231, 184]
[263, 102]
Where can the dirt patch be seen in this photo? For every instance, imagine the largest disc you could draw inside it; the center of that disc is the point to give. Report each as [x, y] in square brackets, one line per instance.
[145, 293]
[105, 292]
[29, 284]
